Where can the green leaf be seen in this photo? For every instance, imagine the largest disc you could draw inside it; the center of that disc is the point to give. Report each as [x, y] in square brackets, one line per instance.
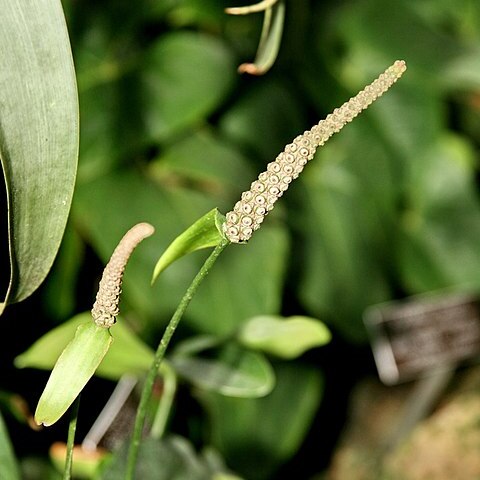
[204, 233]
[127, 354]
[187, 75]
[39, 137]
[244, 374]
[172, 458]
[9, 468]
[264, 109]
[440, 231]
[284, 337]
[73, 370]
[256, 435]
[206, 161]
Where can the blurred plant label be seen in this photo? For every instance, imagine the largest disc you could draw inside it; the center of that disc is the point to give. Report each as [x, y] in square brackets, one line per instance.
[422, 334]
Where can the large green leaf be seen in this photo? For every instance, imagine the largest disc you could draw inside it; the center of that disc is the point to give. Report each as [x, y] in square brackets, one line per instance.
[186, 77]
[9, 468]
[38, 136]
[244, 374]
[256, 435]
[440, 231]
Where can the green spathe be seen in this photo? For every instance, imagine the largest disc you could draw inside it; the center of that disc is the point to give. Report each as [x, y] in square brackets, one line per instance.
[204, 233]
[73, 370]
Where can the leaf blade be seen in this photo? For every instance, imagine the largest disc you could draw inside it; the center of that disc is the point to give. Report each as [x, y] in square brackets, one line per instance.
[39, 159]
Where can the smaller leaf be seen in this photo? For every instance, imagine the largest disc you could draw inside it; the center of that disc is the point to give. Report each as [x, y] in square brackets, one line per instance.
[73, 370]
[249, 375]
[284, 337]
[128, 354]
[8, 465]
[204, 233]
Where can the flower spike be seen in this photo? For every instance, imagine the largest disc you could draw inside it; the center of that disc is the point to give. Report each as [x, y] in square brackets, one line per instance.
[249, 212]
[105, 309]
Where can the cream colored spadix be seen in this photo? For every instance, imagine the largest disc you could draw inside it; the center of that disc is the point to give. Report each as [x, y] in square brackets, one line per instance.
[249, 212]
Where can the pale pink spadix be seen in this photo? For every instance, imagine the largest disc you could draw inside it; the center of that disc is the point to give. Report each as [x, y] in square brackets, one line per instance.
[249, 212]
[105, 309]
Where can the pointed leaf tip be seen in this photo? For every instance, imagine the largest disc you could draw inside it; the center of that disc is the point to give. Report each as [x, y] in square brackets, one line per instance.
[204, 233]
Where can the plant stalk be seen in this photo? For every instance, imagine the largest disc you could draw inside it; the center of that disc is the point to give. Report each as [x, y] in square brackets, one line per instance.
[160, 353]
[72, 428]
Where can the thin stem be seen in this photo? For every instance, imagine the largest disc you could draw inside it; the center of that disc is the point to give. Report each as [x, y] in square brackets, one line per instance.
[165, 405]
[160, 353]
[72, 427]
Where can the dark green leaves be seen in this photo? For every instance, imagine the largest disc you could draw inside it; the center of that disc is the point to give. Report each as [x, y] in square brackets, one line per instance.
[186, 75]
[39, 137]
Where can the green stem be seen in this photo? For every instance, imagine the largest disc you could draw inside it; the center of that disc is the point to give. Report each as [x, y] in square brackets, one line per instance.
[72, 427]
[165, 405]
[160, 353]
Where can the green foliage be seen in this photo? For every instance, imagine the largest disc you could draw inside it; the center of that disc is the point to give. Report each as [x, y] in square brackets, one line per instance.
[387, 208]
[38, 140]
[284, 337]
[9, 470]
[172, 458]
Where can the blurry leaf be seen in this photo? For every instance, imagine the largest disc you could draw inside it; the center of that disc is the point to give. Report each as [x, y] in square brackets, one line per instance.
[284, 337]
[73, 370]
[173, 458]
[208, 14]
[127, 353]
[441, 229]
[376, 31]
[256, 435]
[186, 77]
[39, 137]
[9, 468]
[195, 344]
[45, 351]
[244, 375]
[204, 159]
[348, 192]
[257, 119]
[204, 233]
[247, 281]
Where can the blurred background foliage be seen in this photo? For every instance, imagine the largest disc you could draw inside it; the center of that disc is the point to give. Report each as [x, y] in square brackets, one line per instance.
[388, 208]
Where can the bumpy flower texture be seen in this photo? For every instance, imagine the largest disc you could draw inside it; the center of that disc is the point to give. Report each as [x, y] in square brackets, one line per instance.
[249, 212]
[105, 309]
